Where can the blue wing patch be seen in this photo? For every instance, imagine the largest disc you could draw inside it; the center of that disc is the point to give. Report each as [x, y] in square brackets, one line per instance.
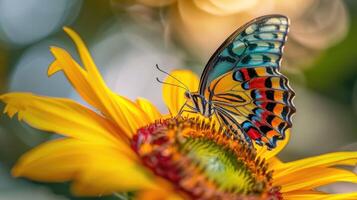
[258, 43]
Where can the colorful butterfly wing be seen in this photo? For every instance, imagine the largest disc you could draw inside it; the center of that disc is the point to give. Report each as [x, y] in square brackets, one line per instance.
[257, 43]
[243, 81]
[256, 103]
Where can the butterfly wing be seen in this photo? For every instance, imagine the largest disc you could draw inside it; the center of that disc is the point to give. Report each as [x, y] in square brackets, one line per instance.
[257, 43]
[256, 103]
[243, 82]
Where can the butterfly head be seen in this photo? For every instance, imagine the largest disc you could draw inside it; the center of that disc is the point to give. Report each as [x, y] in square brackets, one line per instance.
[188, 95]
[192, 95]
[199, 103]
[194, 99]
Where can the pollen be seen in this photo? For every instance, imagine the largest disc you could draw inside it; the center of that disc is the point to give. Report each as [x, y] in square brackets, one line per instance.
[196, 155]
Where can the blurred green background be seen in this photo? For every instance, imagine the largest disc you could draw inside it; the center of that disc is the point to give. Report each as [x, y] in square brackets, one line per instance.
[127, 38]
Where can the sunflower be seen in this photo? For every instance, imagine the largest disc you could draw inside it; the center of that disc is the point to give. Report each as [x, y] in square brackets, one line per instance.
[118, 146]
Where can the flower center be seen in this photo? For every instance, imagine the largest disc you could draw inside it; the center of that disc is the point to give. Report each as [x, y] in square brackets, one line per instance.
[202, 161]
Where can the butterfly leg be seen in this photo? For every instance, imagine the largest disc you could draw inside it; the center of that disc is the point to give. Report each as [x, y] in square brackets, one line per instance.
[189, 110]
[181, 109]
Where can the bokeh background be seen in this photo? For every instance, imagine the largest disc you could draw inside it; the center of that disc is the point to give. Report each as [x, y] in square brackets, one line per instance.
[128, 37]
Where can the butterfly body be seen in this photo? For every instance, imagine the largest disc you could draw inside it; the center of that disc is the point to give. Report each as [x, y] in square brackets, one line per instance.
[199, 104]
[242, 86]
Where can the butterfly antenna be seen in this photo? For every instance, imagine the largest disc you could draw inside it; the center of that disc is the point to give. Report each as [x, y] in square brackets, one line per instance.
[161, 70]
[158, 80]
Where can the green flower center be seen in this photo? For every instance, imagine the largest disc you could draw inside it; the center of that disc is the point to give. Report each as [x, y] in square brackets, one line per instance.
[221, 165]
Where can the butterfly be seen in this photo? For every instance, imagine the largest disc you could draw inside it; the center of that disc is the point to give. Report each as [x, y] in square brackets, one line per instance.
[241, 85]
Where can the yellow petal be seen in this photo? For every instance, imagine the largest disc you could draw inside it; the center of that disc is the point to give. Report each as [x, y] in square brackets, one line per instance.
[62, 116]
[293, 196]
[75, 74]
[149, 109]
[326, 160]
[129, 115]
[166, 191]
[174, 97]
[90, 85]
[159, 195]
[104, 168]
[86, 58]
[312, 178]
[105, 175]
[274, 162]
[300, 192]
[263, 152]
